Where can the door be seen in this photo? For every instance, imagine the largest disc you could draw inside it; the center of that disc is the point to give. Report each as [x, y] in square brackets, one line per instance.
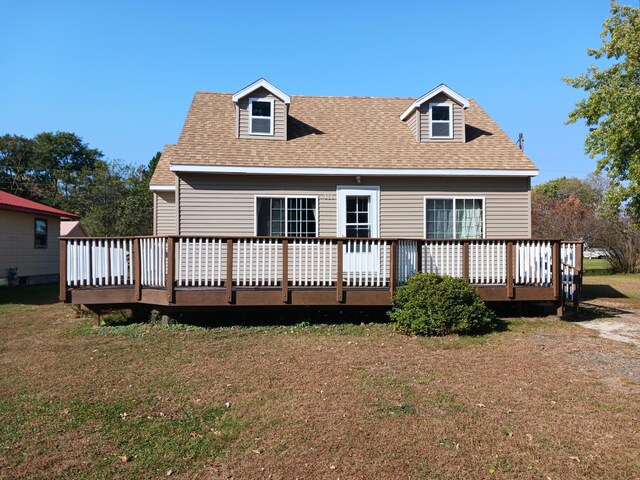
[358, 217]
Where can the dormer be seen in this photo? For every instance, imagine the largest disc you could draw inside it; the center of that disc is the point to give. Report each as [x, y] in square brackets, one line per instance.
[261, 111]
[437, 116]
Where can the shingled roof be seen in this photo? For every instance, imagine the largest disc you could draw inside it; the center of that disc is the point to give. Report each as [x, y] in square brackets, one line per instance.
[336, 132]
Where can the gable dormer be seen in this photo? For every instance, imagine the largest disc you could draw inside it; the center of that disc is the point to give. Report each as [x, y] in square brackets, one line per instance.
[437, 116]
[261, 111]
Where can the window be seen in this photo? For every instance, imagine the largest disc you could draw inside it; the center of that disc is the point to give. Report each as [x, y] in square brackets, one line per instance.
[440, 123]
[40, 233]
[454, 218]
[286, 217]
[358, 224]
[261, 116]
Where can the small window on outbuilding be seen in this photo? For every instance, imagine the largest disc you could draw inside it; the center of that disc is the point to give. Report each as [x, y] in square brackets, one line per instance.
[440, 120]
[261, 116]
[40, 233]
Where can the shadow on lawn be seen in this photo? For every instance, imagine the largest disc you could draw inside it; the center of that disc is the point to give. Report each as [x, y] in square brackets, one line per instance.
[271, 316]
[280, 317]
[589, 311]
[592, 291]
[30, 295]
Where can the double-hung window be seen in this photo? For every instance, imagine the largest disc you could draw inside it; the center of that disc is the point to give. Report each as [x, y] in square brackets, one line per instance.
[287, 216]
[454, 218]
[440, 120]
[40, 233]
[261, 116]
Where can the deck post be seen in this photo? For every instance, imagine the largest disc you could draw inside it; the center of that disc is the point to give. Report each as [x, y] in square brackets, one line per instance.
[137, 273]
[465, 260]
[393, 267]
[339, 272]
[578, 278]
[63, 270]
[171, 268]
[419, 257]
[285, 271]
[229, 280]
[557, 277]
[510, 270]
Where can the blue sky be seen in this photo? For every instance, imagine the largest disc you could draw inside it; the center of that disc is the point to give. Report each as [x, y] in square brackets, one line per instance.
[121, 74]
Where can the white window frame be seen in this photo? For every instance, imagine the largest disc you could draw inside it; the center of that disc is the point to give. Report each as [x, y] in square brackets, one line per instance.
[357, 190]
[286, 212]
[251, 116]
[432, 121]
[454, 198]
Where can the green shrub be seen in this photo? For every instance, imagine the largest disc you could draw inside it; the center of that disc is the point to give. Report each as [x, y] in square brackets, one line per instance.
[431, 304]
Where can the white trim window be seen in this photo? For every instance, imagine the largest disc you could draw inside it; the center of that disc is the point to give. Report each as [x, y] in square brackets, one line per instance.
[451, 217]
[261, 112]
[440, 120]
[286, 216]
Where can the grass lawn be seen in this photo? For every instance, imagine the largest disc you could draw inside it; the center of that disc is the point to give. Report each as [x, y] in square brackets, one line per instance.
[543, 399]
[596, 266]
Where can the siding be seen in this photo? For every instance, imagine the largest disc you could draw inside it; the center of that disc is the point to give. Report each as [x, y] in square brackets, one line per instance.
[165, 223]
[458, 120]
[279, 120]
[16, 245]
[412, 121]
[507, 204]
[224, 205]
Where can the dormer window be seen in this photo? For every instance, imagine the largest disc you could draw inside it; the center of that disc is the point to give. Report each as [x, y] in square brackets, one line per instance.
[440, 120]
[261, 116]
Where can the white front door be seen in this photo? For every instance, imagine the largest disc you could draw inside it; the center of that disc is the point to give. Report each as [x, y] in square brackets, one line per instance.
[358, 217]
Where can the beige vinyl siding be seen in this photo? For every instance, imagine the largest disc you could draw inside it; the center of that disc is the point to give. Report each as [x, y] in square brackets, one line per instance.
[17, 245]
[224, 205]
[279, 119]
[507, 205]
[165, 213]
[458, 120]
[412, 121]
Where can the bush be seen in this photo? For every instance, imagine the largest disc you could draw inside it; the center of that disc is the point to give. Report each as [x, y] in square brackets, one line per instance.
[431, 304]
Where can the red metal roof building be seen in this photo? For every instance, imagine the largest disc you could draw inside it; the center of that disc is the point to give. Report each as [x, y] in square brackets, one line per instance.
[9, 201]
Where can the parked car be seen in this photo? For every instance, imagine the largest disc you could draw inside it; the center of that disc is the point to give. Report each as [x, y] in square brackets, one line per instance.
[595, 253]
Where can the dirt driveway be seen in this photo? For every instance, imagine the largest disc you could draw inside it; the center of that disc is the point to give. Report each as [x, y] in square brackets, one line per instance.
[617, 304]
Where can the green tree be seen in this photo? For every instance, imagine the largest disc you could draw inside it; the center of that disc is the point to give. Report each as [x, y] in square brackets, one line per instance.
[50, 167]
[611, 110]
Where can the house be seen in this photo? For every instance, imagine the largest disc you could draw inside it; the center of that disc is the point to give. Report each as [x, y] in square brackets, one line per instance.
[29, 247]
[272, 199]
[72, 228]
[261, 162]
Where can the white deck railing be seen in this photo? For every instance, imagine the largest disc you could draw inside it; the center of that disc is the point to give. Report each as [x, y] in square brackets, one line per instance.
[313, 262]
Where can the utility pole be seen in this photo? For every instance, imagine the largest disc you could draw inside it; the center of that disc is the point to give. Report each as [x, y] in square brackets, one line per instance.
[520, 141]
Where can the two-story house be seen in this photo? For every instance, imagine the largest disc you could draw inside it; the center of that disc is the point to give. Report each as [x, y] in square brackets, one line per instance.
[261, 162]
[271, 199]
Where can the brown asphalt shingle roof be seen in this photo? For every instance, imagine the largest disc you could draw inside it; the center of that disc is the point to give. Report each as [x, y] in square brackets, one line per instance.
[336, 132]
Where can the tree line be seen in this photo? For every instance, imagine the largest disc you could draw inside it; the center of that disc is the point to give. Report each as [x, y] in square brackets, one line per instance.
[59, 169]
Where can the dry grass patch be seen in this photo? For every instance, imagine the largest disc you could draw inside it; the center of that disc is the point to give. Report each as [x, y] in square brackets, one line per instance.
[316, 401]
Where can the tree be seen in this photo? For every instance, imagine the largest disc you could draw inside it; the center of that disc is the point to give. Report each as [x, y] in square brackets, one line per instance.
[568, 208]
[59, 169]
[571, 208]
[611, 108]
[49, 168]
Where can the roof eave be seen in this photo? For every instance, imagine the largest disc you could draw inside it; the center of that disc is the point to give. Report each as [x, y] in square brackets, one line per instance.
[442, 88]
[421, 172]
[261, 83]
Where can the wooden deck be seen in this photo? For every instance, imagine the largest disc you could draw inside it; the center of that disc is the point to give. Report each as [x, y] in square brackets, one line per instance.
[179, 272]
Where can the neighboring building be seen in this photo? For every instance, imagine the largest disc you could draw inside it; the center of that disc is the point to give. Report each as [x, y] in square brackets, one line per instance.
[261, 162]
[72, 228]
[29, 247]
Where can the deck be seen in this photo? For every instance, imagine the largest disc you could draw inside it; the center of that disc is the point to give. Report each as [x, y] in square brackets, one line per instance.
[183, 272]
